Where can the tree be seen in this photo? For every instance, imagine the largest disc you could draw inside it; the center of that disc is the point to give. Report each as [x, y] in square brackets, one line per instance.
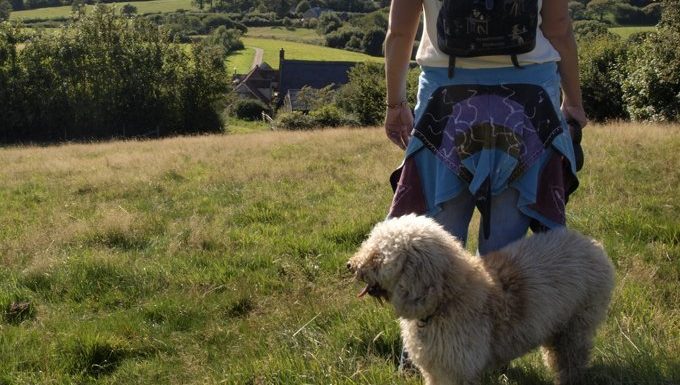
[78, 7]
[328, 22]
[302, 7]
[373, 42]
[589, 29]
[652, 86]
[228, 40]
[128, 10]
[601, 7]
[577, 10]
[5, 10]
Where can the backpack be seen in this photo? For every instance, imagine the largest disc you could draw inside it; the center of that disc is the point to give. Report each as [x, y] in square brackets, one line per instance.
[469, 28]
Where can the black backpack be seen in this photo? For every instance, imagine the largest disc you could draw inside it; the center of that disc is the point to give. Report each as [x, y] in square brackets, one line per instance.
[469, 28]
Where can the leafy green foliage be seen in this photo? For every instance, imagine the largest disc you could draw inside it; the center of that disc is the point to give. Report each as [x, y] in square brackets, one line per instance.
[590, 29]
[652, 86]
[249, 109]
[600, 63]
[106, 76]
[365, 93]
[5, 10]
[295, 120]
[372, 42]
[328, 22]
[128, 10]
[229, 40]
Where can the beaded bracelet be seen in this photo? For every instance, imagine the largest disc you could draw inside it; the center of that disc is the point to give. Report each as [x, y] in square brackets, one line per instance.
[396, 105]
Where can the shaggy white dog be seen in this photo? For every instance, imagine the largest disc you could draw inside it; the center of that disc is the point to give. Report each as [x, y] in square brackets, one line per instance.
[461, 314]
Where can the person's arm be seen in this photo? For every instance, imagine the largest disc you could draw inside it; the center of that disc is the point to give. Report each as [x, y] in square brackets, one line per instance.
[401, 33]
[557, 28]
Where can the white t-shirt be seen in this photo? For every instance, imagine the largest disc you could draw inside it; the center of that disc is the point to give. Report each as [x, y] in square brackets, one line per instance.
[429, 54]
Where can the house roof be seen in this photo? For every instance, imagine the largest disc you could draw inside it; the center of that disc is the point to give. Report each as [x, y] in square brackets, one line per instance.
[260, 76]
[296, 74]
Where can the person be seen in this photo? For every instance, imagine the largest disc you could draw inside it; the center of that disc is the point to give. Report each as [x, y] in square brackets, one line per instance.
[500, 161]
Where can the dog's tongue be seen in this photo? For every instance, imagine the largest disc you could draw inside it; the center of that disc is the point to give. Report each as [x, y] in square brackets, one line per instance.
[363, 292]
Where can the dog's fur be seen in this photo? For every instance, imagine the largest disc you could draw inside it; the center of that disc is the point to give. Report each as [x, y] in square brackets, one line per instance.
[461, 314]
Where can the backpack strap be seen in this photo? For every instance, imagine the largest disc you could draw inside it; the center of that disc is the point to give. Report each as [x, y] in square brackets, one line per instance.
[452, 66]
[515, 62]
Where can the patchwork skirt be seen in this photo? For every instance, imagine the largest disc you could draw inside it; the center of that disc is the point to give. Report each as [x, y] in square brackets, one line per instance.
[487, 130]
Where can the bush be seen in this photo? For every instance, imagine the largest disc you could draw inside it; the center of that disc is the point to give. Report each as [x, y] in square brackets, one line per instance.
[295, 120]
[249, 109]
[328, 22]
[213, 21]
[590, 29]
[600, 63]
[652, 86]
[373, 40]
[5, 10]
[332, 116]
[106, 76]
[364, 94]
[627, 14]
[341, 37]
[228, 40]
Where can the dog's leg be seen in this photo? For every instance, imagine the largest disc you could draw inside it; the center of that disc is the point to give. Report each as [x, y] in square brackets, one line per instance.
[568, 352]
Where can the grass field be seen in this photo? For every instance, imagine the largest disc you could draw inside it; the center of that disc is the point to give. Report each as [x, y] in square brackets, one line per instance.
[300, 51]
[151, 6]
[625, 32]
[301, 35]
[220, 259]
[240, 61]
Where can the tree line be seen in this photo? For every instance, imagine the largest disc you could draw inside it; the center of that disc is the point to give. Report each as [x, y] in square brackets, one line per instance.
[107, 76]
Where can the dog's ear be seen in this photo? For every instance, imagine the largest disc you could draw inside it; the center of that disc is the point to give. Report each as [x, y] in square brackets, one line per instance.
[419, 288]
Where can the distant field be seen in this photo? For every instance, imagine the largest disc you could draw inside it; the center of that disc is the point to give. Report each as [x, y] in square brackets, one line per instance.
[302, 51]
[301, 35]
[625, 32]
[143, 7]
[240, 62]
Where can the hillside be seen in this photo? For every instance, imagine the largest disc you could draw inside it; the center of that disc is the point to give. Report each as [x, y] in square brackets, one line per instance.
[220, 259]
[143, 7]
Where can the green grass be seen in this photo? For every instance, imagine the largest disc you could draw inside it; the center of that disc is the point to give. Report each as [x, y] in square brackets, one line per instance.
[151, 6]
[625, 32]
[301, 35]
[220, 259]
[241, 61]
[301, 51]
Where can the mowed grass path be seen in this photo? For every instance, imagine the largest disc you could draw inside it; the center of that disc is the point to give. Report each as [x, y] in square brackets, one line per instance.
[151, 6]
[221, 259]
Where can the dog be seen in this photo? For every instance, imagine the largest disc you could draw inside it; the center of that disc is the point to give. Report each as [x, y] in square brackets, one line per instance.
[462, 314]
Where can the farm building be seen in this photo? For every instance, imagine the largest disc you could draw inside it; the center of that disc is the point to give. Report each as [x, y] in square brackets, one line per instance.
[280, 88]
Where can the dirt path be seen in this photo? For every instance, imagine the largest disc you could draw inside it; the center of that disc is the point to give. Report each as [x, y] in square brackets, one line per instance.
[257, 59]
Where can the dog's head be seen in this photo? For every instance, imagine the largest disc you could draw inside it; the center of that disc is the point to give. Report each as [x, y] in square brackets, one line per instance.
[405, 261]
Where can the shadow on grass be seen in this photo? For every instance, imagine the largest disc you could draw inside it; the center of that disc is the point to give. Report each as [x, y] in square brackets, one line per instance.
[600, 374]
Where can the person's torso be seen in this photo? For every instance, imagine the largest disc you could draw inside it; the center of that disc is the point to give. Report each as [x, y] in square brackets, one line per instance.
[429, 55]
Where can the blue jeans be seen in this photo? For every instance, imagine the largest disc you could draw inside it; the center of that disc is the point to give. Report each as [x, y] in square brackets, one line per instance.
[509, 223]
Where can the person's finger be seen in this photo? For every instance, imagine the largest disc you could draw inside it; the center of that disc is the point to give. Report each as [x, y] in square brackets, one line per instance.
[394, 134]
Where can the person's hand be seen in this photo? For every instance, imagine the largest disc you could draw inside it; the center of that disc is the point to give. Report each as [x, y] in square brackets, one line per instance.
[398, 124]
[574, 113]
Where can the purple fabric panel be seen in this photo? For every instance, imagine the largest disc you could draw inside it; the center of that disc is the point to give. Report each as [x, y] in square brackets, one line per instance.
[501, 114]
[551, 194]
[408, 195]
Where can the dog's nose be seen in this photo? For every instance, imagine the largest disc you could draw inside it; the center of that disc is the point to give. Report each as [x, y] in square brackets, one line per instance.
[349, 267]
